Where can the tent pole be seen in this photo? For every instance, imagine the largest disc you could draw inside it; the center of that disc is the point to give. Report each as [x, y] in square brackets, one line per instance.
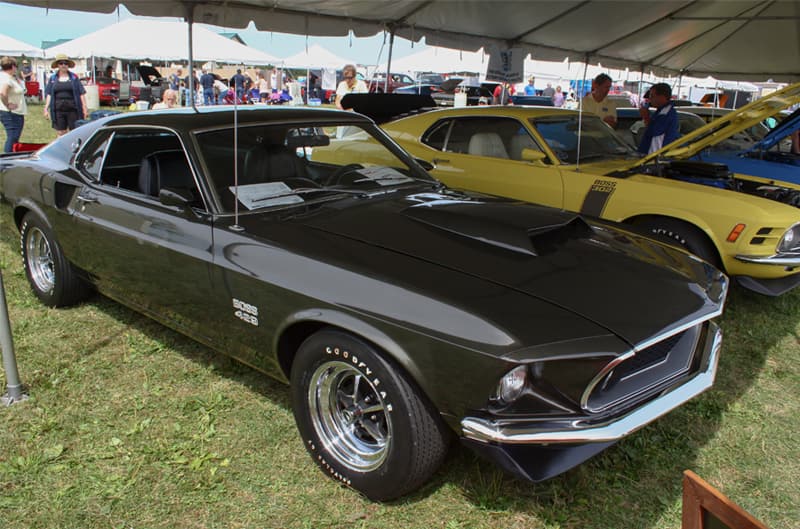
[389, 61]
[15, 391]
[190, 21]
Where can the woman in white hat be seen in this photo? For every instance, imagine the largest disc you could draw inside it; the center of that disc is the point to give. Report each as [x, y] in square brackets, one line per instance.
[65, 96]
[12, 102]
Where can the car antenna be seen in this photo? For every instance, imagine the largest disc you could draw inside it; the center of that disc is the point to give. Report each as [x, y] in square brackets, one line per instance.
[235, 226]
[580, 116]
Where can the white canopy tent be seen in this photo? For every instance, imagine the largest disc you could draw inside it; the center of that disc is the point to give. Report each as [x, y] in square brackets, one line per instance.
[730, 39]
[441, 60]
[316, 57]
[159, 40]
[16, 48]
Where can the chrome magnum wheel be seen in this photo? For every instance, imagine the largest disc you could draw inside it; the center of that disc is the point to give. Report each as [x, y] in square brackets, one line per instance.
[39, 260]
[50, 275]
[349, 416]
[361, 420]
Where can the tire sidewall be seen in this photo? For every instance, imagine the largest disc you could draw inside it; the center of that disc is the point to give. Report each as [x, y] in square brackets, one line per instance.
[333, 345]
[686, 238]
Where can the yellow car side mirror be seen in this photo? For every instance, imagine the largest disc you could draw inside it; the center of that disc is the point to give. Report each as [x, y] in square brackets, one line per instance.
[532, 155]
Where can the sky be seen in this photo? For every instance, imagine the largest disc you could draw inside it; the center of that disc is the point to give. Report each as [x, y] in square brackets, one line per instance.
[33, 25]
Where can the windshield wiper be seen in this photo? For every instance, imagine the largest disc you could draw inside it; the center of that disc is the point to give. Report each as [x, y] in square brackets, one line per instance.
[309, 190]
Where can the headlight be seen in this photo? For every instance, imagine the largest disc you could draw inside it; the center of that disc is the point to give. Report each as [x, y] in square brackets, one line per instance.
[790, 242]
[511, 385]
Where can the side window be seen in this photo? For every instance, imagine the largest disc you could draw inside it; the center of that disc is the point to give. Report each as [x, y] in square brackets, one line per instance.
[145, 161]
[436, 136]
[90, 161]
[498, 137]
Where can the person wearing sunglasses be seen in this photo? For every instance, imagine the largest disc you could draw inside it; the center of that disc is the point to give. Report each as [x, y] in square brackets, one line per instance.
[12, 102]
[65, 96]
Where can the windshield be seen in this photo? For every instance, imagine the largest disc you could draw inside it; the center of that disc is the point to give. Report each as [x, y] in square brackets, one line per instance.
[280, 165]
[598, 140]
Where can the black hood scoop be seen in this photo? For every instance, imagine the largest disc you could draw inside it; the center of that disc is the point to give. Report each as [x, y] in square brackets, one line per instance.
[513, 234]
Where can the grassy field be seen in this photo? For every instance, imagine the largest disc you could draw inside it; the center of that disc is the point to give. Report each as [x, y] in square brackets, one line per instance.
[131, 425]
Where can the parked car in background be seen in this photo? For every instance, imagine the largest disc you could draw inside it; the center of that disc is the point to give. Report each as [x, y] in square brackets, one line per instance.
[108, 90]
[749, 226]
[419, 89]
[400, 312]
[473, 89]
[631, 126]
[378, 83]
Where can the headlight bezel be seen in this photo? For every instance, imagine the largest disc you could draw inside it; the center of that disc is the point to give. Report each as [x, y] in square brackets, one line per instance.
[790, 240]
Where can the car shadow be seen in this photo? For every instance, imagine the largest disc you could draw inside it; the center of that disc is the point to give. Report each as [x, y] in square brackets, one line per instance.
[633, 482]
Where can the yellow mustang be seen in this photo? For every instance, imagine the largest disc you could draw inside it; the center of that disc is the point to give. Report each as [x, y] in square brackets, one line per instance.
[749, 226]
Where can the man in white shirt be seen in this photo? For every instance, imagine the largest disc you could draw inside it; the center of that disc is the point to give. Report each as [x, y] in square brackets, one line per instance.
[597, 101]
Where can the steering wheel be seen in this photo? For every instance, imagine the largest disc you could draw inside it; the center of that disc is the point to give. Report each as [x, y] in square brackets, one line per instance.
[335, 177]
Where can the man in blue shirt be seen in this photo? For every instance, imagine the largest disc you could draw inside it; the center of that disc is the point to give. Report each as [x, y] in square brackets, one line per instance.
[238, 83]
[207, 82]
[663, 126]
[529, 88]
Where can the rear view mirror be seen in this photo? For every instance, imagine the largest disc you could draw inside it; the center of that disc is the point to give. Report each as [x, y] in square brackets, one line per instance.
[310, 140]
[532, 155]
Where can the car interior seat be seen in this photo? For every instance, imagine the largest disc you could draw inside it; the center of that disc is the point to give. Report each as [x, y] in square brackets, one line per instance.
[487, 144]
[162, 169]
[519, 142]
[272, 163]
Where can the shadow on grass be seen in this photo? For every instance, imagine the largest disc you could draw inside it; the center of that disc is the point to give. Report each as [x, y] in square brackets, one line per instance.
[629, 485]
[634, 481]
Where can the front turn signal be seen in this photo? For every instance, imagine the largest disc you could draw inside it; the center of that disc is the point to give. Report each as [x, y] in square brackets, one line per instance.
[735, 232]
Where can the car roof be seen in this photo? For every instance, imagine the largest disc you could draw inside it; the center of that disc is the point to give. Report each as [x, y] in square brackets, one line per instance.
[191, 119]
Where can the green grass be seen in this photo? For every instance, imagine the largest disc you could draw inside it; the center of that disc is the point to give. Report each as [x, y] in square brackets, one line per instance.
[131, 425]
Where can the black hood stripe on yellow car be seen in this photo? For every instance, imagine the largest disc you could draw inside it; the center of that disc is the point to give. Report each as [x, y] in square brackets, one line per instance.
[596, 199]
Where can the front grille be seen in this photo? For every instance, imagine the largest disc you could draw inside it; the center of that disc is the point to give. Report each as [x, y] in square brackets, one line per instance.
[645, 372]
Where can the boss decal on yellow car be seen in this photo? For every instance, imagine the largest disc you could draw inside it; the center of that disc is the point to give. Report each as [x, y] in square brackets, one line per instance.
[245, 312]
[597, 197]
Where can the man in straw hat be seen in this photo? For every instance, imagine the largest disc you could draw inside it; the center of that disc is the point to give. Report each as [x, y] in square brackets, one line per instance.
[65, 96]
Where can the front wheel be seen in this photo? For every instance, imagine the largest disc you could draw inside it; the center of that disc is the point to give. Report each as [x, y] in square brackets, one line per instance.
[687, 236]
[50, 275]
[362, 422]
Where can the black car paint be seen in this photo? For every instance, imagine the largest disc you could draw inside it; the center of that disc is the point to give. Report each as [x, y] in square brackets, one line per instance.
[454, 287]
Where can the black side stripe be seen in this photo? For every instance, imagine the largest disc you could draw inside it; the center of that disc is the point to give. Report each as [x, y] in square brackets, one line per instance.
[596, 199]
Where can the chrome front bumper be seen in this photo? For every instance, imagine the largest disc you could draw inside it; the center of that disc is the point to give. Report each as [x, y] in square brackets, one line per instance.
[578, 431]
[790, 260]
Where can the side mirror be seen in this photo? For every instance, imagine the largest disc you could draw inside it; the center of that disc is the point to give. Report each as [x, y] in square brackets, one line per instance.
[175, 197]
[532, 155]
[428, 166]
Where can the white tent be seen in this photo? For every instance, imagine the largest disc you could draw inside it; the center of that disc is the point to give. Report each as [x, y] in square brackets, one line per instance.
[316, 57]
[160, 40]
[15, 48]
[441, 60]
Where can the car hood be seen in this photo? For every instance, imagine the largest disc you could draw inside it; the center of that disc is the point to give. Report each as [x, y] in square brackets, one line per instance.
[787, 126]
[630, 285]
[723, 128]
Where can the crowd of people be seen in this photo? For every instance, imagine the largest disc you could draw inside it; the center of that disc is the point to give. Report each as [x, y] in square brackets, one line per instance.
[65, 102]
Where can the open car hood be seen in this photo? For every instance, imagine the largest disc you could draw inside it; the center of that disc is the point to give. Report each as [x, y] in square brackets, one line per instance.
[787, 126]
[723, 128]
[150, 75]
[384, 107]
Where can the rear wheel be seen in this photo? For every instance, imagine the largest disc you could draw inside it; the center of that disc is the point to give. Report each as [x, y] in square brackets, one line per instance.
[50, 275]
[362, 422]
[687, 236]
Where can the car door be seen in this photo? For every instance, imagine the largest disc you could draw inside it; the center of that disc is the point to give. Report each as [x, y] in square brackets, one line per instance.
[485, 154]
[138, 250]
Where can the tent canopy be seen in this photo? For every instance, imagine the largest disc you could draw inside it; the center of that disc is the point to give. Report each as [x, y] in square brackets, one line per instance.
[316, 57]
[161, 40]
[441, 60]
[15, 48]
[733, 39]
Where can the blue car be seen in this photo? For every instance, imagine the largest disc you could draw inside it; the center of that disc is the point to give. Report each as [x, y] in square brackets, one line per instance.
[765, 158]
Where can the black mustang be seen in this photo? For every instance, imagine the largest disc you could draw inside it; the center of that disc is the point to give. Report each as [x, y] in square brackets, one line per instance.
[400, 312]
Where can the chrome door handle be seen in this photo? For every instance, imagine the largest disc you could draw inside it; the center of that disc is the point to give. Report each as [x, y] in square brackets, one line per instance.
[439, 160]
[87, 199]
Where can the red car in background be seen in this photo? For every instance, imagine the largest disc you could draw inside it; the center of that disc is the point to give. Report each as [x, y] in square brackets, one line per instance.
[107, 90]
[396, 80]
